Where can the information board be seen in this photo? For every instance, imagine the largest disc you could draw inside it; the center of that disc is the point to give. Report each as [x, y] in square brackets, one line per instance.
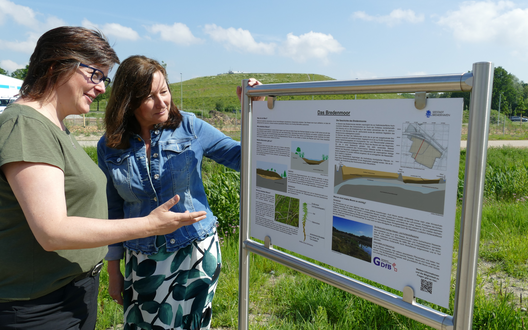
[367, 186]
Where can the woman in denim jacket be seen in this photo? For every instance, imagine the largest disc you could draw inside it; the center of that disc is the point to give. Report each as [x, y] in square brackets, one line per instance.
[150, 152]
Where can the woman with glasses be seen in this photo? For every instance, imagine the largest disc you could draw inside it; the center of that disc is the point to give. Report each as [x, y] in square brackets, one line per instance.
[53, 204]
[150, 151]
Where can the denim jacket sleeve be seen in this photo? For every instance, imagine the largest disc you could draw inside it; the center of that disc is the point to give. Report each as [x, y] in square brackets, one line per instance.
[217, 146]
[115, 202]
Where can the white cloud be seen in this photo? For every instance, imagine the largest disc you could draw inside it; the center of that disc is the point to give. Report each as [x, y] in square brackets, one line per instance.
[20, 14]
[178, 33]
[89, 25]
[25, 16]
[26, 46]
[499, 22]
[299, 48]
[417, 73]
[11, 66]
[120, 31]
[113, 30]
[51, 23]
[310, 45]
[238, 39]
[362, 75]
[397, 16]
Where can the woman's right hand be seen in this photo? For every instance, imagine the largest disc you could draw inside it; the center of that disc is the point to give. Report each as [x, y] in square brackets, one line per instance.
[163, 221]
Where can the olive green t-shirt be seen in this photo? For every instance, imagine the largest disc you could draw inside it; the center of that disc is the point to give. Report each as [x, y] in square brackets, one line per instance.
[27, 271]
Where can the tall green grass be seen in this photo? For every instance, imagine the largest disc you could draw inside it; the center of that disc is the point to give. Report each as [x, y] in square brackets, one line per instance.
[223, 194]
[506, 174]
[281, 298]
[504, 233]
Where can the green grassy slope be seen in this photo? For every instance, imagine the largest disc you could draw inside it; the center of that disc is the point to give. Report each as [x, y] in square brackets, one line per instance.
[219, 92]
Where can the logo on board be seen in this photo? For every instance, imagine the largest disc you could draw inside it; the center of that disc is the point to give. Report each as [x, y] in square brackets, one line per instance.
[385, 264]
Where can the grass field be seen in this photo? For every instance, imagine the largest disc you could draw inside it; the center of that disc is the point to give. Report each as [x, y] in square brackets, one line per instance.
[281, 298]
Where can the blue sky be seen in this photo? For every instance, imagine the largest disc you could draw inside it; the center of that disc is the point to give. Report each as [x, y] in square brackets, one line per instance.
[341, 39]
[353, 227]
[279, 168]
[314, 151]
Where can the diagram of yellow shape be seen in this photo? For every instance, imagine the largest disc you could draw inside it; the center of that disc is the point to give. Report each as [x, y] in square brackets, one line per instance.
[423, 152]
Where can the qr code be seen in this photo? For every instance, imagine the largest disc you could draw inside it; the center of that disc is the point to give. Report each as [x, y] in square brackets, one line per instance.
[426, 286]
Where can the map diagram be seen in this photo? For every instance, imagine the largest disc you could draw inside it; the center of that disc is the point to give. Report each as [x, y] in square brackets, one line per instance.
[424, 145]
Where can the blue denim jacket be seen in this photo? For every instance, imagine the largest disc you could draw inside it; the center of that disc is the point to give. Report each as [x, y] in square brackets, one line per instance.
[175, 168]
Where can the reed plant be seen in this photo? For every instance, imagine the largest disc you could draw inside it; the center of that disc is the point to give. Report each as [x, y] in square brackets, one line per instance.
[506, 174]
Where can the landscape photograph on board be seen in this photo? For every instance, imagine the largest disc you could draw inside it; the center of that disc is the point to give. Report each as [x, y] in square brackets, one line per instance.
[287, 210]
[391, 188]
[352, 238]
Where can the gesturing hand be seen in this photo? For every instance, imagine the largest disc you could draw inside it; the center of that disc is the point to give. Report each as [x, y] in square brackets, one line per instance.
[163, 221]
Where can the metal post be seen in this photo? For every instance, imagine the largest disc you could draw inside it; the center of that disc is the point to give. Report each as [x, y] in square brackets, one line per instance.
[477, 147]
[245, 193]
[503, 126]
[500, 96]
[181, 91]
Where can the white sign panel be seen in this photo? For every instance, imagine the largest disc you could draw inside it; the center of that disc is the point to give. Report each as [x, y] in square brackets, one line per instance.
[367, 186]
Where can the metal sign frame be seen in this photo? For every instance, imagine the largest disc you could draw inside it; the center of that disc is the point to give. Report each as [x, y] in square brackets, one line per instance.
[479, 82]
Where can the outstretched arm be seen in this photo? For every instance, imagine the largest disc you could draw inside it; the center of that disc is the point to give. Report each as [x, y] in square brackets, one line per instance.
[39, 189]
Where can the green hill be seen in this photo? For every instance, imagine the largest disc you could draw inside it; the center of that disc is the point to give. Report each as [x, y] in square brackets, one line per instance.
[219, 92]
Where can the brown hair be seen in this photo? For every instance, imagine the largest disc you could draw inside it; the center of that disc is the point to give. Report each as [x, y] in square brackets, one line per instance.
[132, 85]
[58, 53]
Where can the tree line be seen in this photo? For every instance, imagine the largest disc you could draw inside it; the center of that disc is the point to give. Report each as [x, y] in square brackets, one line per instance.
[18, 73]
[509, 94]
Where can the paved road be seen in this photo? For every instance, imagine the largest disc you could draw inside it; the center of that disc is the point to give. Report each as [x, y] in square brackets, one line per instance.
[87, 143]
[502, 143]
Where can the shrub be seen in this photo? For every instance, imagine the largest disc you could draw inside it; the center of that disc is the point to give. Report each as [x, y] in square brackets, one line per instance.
[223, 194]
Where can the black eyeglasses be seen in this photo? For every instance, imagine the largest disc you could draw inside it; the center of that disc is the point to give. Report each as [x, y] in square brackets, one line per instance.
[97, 75]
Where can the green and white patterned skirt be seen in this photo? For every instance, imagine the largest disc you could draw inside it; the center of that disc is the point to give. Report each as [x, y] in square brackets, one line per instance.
[172, 290]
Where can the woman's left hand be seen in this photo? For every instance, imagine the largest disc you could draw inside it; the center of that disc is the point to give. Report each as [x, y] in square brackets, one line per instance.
[251, 82]
[115, 281]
